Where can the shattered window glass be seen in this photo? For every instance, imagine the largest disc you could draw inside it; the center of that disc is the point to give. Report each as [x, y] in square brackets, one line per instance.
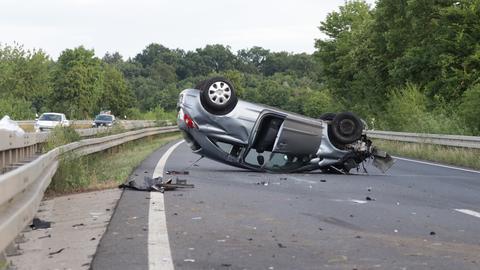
[257, 159]
[286, 162]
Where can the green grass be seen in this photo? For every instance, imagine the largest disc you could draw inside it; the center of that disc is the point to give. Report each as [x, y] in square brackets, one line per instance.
[103, 170]
[464, 157]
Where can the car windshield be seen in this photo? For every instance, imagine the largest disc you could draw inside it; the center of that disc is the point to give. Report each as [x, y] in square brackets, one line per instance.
[104, 118]
[51, 117]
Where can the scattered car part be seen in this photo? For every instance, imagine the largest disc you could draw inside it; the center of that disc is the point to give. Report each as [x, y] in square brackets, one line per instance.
[40, 224]
[177, 172]
[156, 184]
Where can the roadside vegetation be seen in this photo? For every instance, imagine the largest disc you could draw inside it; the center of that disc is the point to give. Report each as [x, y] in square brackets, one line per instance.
[463, 157]
[103, 170]
[60, 136]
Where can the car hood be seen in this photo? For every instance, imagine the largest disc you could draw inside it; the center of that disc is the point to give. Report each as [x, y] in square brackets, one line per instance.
[47, 123]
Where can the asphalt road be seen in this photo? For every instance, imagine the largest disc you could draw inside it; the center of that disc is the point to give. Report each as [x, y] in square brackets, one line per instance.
[417, 216]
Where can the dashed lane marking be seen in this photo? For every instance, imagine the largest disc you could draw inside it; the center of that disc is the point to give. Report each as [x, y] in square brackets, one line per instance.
[469, 212]
[159, 253]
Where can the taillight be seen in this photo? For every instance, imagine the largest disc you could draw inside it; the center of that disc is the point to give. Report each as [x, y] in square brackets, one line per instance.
[189, 121]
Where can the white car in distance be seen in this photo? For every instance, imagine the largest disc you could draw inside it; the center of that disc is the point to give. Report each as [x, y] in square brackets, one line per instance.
[50, 120]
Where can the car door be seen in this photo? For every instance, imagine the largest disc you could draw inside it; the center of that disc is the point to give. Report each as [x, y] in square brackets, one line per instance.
[298, 135]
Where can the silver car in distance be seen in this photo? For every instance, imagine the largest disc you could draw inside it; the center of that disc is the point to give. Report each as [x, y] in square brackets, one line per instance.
[257, 137]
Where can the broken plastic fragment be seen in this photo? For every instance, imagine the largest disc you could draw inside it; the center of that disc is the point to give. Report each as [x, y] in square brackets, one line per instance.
[40, 224]
[56, 252]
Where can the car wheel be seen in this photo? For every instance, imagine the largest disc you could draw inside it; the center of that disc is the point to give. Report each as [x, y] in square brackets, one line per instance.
[218, 95]
[346, 128]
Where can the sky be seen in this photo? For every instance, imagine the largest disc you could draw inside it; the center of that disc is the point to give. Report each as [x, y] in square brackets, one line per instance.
[128, 27]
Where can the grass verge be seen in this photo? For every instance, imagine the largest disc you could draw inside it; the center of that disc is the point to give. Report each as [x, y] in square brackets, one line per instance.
[103, 170]
[464, 157]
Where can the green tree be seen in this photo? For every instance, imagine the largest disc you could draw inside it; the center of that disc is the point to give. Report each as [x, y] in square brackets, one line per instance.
[116, 95]
[24, 79]
[346, 61]
[78, 83]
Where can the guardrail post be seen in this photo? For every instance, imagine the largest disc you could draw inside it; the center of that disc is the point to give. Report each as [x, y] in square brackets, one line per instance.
[2, 161]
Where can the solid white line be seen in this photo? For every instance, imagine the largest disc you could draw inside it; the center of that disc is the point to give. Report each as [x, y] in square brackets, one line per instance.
[438, 165]
[159, 254]
[469, 212]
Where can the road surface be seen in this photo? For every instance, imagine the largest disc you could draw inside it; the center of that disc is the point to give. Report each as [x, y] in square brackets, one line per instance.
[417, 216]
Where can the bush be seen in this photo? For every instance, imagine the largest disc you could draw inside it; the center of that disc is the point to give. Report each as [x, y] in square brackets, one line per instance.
[470, 108]
[61, 136]
[16, 108]
[158, 114]
[407, 111]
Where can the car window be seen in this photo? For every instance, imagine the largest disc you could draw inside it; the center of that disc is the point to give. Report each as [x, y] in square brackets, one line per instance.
[51, 117]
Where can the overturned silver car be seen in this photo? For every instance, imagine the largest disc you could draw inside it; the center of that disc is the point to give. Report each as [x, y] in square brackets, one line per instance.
[221, 127]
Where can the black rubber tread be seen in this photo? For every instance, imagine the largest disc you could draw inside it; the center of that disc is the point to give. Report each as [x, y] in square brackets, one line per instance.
[346, 128]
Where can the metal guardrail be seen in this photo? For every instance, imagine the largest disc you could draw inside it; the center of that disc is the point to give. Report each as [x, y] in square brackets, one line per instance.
[22, 189]
[15, 150]
[438, 139]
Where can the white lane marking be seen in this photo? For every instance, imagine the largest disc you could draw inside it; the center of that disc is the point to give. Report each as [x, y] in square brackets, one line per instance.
[159, 254]
[438, 165]
[469, 212]
[358, 201]
[159, 169]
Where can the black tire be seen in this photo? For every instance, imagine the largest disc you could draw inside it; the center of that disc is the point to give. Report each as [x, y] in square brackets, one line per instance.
[327, 116]
[346, 128]
[217, 95]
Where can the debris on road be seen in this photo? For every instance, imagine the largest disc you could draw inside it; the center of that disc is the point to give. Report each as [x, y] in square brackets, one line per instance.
[40, 224]
[368, 198]
[189, 260]
[157, 184]
[56, 252]
[323, 180]
[263, 183]
[78, 225]
[46, 236]
[432, 233]
[177, 172]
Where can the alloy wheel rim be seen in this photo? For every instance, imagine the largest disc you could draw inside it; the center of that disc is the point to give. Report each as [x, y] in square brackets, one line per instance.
[219, 92]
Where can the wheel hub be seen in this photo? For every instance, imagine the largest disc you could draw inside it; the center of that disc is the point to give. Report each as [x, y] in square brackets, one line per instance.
[219, 92]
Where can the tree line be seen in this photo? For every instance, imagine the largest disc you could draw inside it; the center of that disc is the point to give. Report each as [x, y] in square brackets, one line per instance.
[402, 65]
